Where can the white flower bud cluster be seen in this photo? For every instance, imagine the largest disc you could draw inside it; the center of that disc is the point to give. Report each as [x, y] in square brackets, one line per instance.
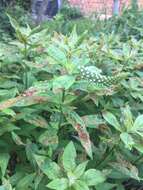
[93, 75]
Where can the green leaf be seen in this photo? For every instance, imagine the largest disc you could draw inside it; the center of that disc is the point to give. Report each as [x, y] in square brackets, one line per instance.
[49, 168]
[120, 187]
[16, 139]
[74, 119]
[128, 140]
[13, 22]
[105, 186]
[79, 170]
[7, 128]
[49, 137]
[57, 54]
[25, 182]
[63, 82]
[58, 184]
[111, 119]
[92, 121]
[127, 118]
[4, 159]
[6, 185]
[138, 124]
[80, 185]
[37, 121]
[69, 157]
[31, 149]
[21, 36]
[139, 147]
[9, 112]
[93, 177]
[126, 169]
[37, 180]
[35, 30]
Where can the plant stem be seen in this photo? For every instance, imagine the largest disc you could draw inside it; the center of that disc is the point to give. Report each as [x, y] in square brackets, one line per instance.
[26, 79]
[26, 73]
[25, 51]
[138, 159]
[106, 156]
[61, 111]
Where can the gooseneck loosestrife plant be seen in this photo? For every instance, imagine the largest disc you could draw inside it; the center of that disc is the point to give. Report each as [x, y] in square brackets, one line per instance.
[70, 111]
[95, 76]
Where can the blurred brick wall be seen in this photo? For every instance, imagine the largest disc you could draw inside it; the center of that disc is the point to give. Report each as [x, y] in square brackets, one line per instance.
[102, 6]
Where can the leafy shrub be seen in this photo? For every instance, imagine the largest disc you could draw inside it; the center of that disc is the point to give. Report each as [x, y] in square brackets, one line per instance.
[71, 111]
[70, 13]
[5, 28]
[127, 25]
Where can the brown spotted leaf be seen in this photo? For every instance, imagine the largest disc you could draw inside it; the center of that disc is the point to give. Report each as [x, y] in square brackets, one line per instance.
[84, 138]
[37, 120]
[76, 121]
[30, 100]
[20, 101]
[9, 103]
[92, 121]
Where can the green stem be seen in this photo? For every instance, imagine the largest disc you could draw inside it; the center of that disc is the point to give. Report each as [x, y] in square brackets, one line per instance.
[26, 79]
[26, 69]
[106, 156]
[25, 51]
[138, 159]
[61, 110]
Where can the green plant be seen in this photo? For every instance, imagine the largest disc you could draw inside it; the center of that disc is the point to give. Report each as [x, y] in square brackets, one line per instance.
[5, 27]
[130, 131]
[58, 89]
[76, 176]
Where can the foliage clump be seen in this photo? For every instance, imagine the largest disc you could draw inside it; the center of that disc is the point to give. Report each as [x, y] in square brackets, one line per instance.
[71, 110]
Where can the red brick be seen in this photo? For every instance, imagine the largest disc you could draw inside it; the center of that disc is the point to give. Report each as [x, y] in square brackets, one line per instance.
[89, 6]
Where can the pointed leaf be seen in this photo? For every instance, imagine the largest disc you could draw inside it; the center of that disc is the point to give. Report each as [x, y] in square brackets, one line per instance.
[138, 124]
[120, 187]
[77, 122]
[93, 177]
[127, 118]
[84, 139]
[105, 186]
[4, 159]
[80, 185]
[69, 157]
[25, 182]
[6, 185]
[92, 121]
[58, 184]
[79, 170]
[9, 103]
[37, 180]
[49, 168]
[13, 22]
[16, 139]
[126, 169]
[37, 121]
[9, 112]
[63, 82]
[49, 137]
[111, 119]
[128, 140]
